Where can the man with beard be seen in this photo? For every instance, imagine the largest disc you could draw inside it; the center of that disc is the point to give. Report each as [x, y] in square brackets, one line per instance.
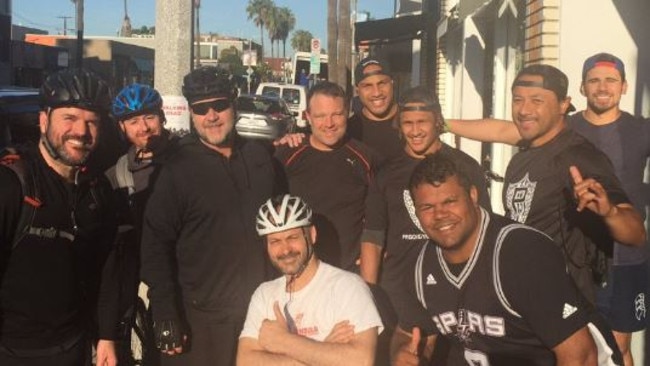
[315, 314]
[58, 289]
[496, 290]
[138, 112]
[201, 257]
[625, 140]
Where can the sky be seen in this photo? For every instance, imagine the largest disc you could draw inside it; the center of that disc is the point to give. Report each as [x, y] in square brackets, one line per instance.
[225, 17]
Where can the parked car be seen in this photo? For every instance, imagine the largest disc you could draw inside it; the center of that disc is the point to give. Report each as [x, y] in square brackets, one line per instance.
[19, 109]
[265, 117]
[294, 95]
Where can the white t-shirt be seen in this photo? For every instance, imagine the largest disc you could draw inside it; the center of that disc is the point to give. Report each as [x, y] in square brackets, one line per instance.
[333, 295]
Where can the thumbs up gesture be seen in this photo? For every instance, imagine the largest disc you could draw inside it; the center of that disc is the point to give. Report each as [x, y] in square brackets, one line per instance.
[407, 355]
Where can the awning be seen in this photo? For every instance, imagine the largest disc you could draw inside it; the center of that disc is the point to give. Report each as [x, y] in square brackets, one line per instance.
[390, 30]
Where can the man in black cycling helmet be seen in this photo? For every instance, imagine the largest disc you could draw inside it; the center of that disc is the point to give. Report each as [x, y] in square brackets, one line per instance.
[56, 231]
[201, 257]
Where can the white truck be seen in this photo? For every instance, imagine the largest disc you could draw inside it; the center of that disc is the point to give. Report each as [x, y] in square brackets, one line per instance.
[301, 61]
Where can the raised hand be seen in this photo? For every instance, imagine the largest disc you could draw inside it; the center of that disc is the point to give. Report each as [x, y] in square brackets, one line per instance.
[590, 194]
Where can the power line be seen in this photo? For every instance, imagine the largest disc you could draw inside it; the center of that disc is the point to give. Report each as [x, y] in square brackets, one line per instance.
[32, 23]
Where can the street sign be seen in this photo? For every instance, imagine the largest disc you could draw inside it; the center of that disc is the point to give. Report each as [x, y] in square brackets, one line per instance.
[315, 45]
[314, 64]
[314, 60]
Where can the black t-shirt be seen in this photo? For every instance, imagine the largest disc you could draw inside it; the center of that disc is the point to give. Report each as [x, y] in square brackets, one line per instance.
[510, 304]
[390, 210]
[334, 184]
[626, 142]
[539, 192]
[381, 136]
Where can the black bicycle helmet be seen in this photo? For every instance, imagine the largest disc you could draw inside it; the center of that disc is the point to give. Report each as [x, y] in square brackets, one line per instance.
[208, 82]
[136, 99]
[76, 88]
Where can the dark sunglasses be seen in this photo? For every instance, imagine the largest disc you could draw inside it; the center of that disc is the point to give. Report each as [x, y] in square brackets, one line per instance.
[218, 105]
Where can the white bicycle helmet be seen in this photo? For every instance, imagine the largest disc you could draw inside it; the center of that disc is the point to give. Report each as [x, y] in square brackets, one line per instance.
[282, 213]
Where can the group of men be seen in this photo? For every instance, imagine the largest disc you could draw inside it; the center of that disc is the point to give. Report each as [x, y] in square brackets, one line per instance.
[206, 219]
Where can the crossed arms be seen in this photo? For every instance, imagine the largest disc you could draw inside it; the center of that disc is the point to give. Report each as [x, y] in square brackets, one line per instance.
[277, 346]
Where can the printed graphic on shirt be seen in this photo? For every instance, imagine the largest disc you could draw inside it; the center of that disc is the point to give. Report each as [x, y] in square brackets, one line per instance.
[519, 197]
[410, 208]
[639, 306]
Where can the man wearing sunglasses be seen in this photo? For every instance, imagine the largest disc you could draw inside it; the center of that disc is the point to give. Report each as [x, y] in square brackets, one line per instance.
[201, 257]
[315, 313]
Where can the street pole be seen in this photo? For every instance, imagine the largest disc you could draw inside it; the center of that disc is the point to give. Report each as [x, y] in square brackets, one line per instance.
[80, 32]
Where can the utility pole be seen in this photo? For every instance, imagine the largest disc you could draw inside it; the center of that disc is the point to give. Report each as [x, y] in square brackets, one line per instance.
[173, 58]
[65, 23]
[80, 32]
[197, 36]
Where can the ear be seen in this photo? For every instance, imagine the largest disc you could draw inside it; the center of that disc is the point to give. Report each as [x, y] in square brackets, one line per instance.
[121, 123]
[564, 105]
[42, 121]
[313, 234]
[473, 195]
[624, 90]
[582, 89]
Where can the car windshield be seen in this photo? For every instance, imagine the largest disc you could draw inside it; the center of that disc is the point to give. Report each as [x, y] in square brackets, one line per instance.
[263, 106]
[291, 96]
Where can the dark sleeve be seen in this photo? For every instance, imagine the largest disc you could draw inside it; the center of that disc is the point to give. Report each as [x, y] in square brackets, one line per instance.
[376, 220]
[410, 312]
[160, 231]
[10, 202]
[537, 286]
[110, 279]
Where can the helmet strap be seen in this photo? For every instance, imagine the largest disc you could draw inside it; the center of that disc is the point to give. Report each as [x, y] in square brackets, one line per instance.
[46, 142]
[303, 266]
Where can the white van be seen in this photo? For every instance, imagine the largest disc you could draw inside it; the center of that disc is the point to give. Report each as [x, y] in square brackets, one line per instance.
[294, 95]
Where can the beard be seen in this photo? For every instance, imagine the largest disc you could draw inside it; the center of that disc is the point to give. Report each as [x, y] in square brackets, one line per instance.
[67, 155]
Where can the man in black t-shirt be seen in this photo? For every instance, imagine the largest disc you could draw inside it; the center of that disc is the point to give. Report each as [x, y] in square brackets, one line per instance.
[375, 124]
[331, 172]
[496, 290]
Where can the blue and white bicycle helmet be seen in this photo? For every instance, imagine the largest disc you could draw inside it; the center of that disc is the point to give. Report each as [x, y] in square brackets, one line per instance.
[136, 99]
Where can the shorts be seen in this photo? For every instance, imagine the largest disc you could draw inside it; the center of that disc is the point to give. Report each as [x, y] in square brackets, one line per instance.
[622, 301]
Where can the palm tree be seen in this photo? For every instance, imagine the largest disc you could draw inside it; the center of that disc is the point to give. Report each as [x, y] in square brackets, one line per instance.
[301, 40]
[332, 37]
[272, 25]
[258, 10]
[287, 21]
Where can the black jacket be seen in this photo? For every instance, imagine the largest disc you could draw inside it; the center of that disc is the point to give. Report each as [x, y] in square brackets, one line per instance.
[51, 283]
[199, 245]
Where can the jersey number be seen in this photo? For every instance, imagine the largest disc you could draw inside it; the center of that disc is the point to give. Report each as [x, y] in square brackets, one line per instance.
[476, 358]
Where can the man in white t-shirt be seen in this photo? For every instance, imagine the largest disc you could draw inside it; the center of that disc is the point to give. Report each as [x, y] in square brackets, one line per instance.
[315, 313]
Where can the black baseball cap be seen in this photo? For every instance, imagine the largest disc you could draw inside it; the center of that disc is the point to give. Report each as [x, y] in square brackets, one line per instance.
[359, 73]
[553, 79]
[603, 59]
